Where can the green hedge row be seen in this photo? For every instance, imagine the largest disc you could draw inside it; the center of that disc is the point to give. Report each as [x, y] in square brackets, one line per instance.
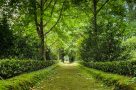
[118, 82]
[11, 68]
[123, 67]
[26, 81]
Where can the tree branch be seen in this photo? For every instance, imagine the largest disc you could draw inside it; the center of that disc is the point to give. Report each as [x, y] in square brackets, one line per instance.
[102, 6]
[36, 20]
[57, 20]
[51, 14]
[45, 2]
[48, 5]
[53, 43]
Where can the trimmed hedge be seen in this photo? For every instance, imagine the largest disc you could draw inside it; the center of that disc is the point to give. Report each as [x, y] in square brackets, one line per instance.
[123, 67]
[119, 82]
[11, 68]
[26, 81]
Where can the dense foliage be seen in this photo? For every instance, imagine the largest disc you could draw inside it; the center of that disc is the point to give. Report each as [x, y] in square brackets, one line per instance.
[104, 39]
[129, 47]
[6, 38]
[122, 67]
[13, 67]
[81, 29]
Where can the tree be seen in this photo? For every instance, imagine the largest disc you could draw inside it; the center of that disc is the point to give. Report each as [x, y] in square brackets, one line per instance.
[6, 38]
[105, 32]
[39, 8]
[95, 12]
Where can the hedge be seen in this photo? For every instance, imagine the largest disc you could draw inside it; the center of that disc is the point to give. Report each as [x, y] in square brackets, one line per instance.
[118, 82]
[123, 67]
[26, 81]
[11, 68]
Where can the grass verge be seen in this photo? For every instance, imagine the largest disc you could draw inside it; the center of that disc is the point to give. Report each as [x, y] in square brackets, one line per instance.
[26, 81]
[119, 82]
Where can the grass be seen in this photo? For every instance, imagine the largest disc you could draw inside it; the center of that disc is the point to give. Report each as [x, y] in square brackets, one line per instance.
[70, 77]
[27, 80]
[118, 82]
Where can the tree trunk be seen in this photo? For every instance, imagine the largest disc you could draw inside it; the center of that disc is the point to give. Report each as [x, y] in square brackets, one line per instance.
[42, 36]
[39, 8]
[42, 48]
[95, 31]
[95, 16]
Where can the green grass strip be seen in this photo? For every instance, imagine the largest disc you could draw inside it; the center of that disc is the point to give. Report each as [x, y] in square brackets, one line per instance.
[26, 81]
[119, 82]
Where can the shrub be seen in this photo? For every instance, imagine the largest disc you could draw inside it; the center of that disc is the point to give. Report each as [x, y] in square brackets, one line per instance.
[10, 68]
[117, 81]
[25, 81]
[123, 67]
[129, 48]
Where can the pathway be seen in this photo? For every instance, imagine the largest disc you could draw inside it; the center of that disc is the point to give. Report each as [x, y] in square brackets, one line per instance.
[70, 77]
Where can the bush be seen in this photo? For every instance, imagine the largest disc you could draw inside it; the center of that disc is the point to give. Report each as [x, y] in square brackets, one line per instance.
[119, 82]
[25, 81]
[10, 68]
[129, 47]
[123, 67]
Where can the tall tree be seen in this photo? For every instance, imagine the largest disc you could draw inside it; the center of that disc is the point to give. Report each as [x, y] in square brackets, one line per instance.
[39, 9]
[95, 12]
[105, 31]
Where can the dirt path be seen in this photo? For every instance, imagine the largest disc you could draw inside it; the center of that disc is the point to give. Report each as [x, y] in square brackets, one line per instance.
[69, 77]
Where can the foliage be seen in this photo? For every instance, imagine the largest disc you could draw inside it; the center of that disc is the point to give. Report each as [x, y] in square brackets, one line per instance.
[123, 67]
[74, 35]
[105, 44]
[119, 82]
[25, 81]
[25, 47]
[131, 9]
[6, 38]
[13, 67]
[130, 48]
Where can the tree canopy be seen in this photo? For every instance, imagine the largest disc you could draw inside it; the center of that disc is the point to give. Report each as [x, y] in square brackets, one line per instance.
[90, 30]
